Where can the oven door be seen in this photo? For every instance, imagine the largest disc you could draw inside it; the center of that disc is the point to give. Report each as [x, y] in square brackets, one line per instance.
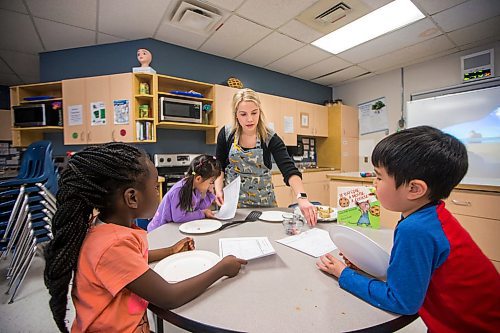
[179, 110]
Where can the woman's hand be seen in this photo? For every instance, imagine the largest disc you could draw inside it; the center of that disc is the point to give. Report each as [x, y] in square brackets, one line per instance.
[208, 213]
[309, 211]
[331, 265]
[219, 197]
[185, 244]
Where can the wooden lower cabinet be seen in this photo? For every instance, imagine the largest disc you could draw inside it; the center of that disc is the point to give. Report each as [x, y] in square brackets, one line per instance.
[316, 186]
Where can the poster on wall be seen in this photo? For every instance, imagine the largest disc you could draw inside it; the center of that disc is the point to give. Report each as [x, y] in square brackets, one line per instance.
[373, 116]
[98, 113]
[122, 111]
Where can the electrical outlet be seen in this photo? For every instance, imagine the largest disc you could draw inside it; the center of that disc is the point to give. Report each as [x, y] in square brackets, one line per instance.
[365, 159]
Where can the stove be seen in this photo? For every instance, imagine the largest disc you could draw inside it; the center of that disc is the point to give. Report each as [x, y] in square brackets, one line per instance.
[173, 167]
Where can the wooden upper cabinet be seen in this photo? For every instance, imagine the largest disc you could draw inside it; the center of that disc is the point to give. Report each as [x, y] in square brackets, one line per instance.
[320, 120]
[288, 123]
[75, 118]
[305, 115]
[349, 121]
[89, 112]
[223, 109]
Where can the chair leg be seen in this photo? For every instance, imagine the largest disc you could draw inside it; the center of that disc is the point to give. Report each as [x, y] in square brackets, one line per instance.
[24, 272]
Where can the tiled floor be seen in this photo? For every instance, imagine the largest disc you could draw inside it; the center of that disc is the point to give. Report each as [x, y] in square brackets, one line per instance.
[30, 311]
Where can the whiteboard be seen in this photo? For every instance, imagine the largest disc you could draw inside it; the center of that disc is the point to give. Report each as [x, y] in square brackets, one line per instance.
[474, 118]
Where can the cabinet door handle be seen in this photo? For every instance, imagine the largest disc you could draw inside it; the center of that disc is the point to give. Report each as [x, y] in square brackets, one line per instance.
[113, 136]
[461, 203]
[88, 136]
[81, 136]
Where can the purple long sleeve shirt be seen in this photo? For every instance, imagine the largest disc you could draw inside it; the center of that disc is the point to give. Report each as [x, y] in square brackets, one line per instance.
[170, 211]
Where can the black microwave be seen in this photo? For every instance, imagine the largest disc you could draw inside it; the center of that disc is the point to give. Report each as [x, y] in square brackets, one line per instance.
[181, 110]
[40, 114]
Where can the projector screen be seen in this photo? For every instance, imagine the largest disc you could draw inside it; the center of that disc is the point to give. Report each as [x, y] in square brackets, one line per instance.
[474, 118]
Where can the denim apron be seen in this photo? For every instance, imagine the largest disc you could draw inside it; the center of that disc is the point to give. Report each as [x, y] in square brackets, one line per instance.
[256, 189]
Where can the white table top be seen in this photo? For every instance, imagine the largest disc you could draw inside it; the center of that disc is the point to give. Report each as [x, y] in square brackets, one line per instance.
[278, 293]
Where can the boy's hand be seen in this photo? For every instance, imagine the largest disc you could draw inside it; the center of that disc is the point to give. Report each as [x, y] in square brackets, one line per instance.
[185, 244]
[331, 265]
[348, 263]
[208, 213]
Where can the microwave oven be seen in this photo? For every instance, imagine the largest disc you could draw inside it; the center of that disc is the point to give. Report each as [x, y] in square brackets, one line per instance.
[40, 114]
[181, 110]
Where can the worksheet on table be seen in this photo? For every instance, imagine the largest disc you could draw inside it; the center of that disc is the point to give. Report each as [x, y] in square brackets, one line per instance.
[246, 247]
[314, 242]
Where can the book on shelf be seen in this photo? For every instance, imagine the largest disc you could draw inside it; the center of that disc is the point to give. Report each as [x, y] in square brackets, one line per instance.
[358, 206]
[144, 130]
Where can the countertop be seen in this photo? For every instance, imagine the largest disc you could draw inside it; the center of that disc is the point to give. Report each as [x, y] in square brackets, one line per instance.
[307, 170]
[354, 176]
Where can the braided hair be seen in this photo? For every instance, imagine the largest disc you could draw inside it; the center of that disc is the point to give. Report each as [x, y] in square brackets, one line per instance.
[93, 179]
[205, 166]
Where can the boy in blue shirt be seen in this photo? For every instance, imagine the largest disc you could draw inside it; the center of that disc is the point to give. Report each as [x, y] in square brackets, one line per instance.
[435, 268]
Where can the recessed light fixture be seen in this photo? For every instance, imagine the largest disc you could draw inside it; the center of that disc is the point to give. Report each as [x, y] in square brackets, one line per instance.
[382, 20]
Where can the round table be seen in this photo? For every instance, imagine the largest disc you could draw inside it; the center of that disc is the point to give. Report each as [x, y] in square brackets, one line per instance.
[284, 292]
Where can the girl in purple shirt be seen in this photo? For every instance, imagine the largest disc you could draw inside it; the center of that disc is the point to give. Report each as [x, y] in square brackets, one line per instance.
[190, 198]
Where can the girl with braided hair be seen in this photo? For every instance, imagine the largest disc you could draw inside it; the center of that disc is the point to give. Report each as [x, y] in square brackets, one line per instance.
[190, 198]
[107, 255]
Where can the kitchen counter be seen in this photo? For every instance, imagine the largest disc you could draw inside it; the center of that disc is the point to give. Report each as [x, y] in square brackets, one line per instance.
[354, 176]
[277, 171]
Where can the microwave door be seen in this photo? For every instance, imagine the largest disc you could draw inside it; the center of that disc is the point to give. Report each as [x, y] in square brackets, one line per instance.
[181, 111]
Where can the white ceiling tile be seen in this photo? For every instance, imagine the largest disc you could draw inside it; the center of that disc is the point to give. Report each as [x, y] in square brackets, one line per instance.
[26, 79]
[230, 5]
[485, 29]
[433, 6]
[15, 5]
[409, 54]
[131, 19]
[10, 79]
[299, 59]
[357, 78]
[23, 36]
[234, 37]
[480, 45]
[57, 36]
[323, 67]
[171, 34]
[300, 31]
[343, 75]
[21, 63]
[273, 13]
[269, 49]
[3, 66]
[107, 39]
[411, 34]
[80, 13]
[467, 13]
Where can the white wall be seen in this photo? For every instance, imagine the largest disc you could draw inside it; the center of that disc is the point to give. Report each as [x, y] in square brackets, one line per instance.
[437, 73]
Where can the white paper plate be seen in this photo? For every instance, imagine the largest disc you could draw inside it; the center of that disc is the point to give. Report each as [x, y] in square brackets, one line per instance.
[200, 226]
[333, 214]
[183, 265]
[272, 216]
[360, 250]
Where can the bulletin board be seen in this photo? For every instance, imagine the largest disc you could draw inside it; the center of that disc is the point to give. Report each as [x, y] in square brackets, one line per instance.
[373, 116]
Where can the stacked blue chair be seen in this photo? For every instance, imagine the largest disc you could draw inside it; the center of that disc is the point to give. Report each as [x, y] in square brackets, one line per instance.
[26, 211]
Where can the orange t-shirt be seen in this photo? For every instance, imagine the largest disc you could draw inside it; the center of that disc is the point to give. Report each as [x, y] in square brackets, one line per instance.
[111, 257]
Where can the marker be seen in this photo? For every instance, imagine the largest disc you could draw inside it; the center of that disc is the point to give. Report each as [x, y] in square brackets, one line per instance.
[367, 174]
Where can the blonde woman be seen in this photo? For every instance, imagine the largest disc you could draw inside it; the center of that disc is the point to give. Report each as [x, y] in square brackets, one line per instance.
[245, 149]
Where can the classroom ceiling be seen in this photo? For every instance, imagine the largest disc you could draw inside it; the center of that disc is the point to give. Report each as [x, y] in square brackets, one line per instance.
[273, 34]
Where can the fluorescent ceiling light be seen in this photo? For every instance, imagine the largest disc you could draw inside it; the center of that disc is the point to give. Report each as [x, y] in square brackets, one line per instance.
[387, 18]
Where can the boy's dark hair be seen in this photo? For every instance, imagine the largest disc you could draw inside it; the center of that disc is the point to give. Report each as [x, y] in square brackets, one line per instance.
[424, 153]
[205, 166]
[92, 180]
